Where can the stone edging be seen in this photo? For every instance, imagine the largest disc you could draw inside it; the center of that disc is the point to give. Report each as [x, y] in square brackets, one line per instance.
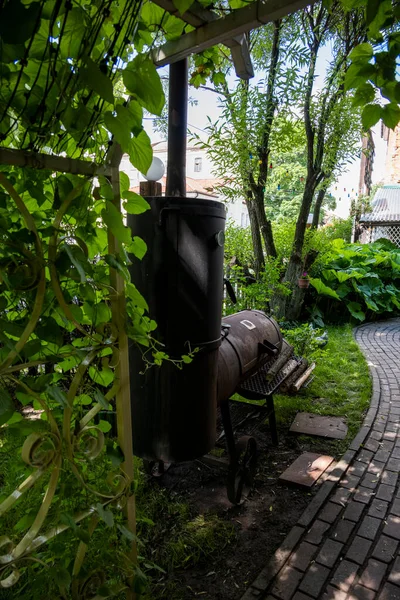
[261, 583]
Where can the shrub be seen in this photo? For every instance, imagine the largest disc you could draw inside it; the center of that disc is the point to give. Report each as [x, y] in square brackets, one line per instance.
[363, 278]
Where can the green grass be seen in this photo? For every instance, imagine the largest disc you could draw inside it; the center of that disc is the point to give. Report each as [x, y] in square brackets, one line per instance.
[341, 386]
[170, 535]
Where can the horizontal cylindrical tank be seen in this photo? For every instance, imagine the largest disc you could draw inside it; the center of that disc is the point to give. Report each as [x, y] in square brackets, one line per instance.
[181, 275]
[250, 338]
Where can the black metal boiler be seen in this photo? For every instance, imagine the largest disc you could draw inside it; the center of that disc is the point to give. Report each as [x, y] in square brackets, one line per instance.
[174, 411]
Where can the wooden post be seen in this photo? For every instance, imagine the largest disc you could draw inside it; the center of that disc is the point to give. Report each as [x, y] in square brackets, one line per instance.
[177, 126]
[123, 398]
[150, 189]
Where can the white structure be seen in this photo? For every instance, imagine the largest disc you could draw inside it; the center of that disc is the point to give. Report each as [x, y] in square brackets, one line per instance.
[200, 181]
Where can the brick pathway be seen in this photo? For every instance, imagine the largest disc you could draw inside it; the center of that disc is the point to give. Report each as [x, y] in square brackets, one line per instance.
[345, 545]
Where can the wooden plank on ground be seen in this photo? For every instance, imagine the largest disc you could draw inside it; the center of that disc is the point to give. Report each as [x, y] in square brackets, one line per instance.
[328, 427]
[306, 469]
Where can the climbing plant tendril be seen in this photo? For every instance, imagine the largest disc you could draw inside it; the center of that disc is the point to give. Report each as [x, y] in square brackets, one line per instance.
[75, 80]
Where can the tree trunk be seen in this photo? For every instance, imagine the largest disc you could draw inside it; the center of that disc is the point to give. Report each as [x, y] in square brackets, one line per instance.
[265, 225]
[256, 238]
[317, 208]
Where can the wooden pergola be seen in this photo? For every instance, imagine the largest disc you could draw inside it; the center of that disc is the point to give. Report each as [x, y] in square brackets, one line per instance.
[210, 29]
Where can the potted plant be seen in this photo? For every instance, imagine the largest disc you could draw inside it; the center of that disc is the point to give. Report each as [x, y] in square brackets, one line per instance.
[304, 280]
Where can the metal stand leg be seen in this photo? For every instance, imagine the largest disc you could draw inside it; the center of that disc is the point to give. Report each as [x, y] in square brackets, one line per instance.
[272, 420]
[227, 424]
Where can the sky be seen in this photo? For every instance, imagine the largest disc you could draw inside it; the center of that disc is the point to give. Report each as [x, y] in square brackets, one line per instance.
[207, 106]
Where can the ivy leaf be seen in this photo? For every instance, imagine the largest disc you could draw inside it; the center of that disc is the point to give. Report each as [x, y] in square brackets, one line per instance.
[323, 289]
[183, 5]
[355, 309]
[141, 79]
[105, 515]
[138, 247]
[141, 152]
[100, 398]
[124, 183]
[61, 576]
[6, 406]
[370, 115]
[57, 394]
[104, 426]
[117, 126]
[358, 74]
[133, 294]
[135, 205]
[391, 115]
[127, 533]
[361, 53]
[113, 219]
[364, 95]
[95, 80]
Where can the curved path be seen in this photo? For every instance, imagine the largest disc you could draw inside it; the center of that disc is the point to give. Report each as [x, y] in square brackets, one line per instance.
[346, 545]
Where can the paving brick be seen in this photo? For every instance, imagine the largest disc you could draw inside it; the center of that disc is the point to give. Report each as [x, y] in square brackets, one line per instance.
[369, 527]
[332, 593]
[329, 553]
[358, 469]
[364, 495]
[389, 477]
[353, 511]
[372, 445]
[382, 456]
[359, 592]
[393, 464]
[376, 435]
[396, 452]
[392, 527]
[373, 575]
[316, 503]
[387, 445]
[341, 496]
[343, 530]
[378, 508]
[330, 512]
[350, 481]
[394, 576]
[395, 508]
[314, 580]
[300, 596]
[316, 533]
[385, 549]
[389, 592]
[303, 556]
[370, 481]
[286, 583]
[365, 456]
[376, 467]
[344, 575]
[358, 550]
[385, 492]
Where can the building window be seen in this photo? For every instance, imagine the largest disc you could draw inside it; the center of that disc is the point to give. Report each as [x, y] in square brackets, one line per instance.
[197, 165]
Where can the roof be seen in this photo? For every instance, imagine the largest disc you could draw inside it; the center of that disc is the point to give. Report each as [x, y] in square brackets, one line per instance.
[385, 206]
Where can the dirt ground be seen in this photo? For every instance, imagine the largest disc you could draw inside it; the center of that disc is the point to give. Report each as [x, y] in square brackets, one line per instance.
[261, 522]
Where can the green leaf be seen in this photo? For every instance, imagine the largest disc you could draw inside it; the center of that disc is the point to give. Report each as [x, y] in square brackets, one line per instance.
[25, 521]
[141, 152]
[127, 533]
[364, 94]
[138, 247]
[6, 406]
[61, 576]
[104, 426]
[105, 515]
[322, 288]
[82, 535]
[183, 5]
[103, 377]
[57, 394]
[100, 398]
[135, 205]
[361, 53]
[95, 80]
[113, 219]
[391, 115]
[141, 79]
[370, 115]
[124, 182]
[117, 126]
[357, 75]
[355, 309]
[133, 294]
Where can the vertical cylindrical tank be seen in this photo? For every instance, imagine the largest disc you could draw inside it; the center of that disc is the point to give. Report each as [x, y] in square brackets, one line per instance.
[174, 410]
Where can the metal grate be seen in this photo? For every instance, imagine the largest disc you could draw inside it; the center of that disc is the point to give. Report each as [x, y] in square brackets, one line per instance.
[257, 384]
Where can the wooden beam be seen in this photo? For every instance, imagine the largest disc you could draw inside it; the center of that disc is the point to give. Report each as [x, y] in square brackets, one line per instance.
[221, 30]
[62, 164]
[198, 16]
